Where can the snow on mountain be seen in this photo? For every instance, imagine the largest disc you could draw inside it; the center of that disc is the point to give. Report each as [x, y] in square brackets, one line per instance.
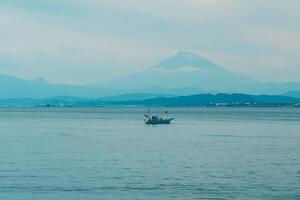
[187, 69]
[187, 59]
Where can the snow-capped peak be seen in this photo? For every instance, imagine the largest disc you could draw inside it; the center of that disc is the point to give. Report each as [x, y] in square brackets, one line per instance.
[186, 59]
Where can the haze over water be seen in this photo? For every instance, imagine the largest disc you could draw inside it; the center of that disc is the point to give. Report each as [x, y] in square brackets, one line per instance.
[109, 153]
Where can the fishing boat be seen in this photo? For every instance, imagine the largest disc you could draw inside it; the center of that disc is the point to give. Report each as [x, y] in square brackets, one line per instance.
[155, 119]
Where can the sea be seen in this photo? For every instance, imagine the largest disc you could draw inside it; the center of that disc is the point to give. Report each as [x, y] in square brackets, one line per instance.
[109, 153]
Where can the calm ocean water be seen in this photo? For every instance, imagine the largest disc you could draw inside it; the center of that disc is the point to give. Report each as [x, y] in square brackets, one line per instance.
[109, 153]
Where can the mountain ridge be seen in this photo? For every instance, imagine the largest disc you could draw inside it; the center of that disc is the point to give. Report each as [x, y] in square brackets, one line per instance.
[207, 99]
[219, 99]
[13, 87]
[184, 73]
[175, 72]
[186, 59]
[294, 93]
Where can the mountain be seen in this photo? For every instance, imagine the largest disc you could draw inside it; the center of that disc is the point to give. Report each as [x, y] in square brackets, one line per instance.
[187, 59]
[170, 91]
[183, 101]
[218, 100]
[188, 70]
[133, 96]
[185, 73]
[294, 93]
[12, 87]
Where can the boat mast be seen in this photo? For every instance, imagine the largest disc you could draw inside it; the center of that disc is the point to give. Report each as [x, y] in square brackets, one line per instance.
[148, 111]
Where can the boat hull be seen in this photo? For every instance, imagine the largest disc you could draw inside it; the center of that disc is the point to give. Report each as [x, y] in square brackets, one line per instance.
[160, 121]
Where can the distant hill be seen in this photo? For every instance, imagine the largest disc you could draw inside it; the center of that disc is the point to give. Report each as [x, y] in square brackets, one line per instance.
[13, 87]
[133, 96]
[184, 91]
[183, 74]
[217, 100]
[295, 94]
[138, 100]
[188, 70]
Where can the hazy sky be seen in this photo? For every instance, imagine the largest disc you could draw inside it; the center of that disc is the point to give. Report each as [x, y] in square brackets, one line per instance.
[85, 41]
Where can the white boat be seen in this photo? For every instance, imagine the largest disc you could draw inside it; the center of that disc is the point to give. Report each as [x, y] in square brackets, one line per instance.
[155, 119]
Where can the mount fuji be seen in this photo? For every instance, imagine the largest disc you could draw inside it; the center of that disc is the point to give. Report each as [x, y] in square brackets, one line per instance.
[188, 70]
[185, 73]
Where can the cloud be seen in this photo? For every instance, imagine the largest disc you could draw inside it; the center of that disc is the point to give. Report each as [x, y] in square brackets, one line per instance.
[114, 38]
[277, 38]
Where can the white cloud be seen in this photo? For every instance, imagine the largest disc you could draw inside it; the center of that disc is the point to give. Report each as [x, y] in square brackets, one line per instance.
[277, 38]
[113, 37]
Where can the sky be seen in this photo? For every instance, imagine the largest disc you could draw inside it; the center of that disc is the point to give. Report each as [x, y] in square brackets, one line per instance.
[91, 41]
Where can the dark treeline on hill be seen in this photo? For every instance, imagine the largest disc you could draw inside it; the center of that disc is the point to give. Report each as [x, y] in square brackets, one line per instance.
[179, 101]
[218, 100]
